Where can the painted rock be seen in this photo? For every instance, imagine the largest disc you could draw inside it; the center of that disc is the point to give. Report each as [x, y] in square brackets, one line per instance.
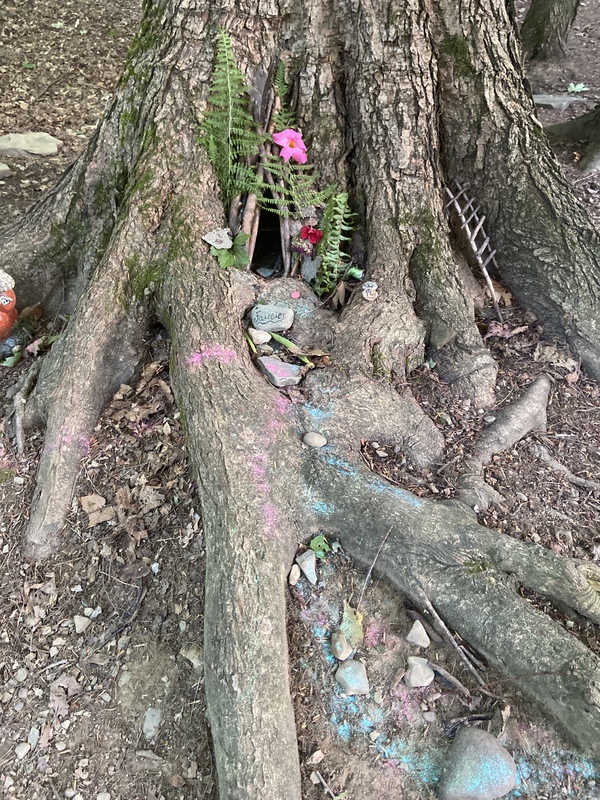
[352, 677]
[279, 373]
[477, 768]
[272, 318]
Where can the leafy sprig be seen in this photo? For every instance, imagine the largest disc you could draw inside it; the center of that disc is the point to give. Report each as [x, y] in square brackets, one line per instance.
[235, 256]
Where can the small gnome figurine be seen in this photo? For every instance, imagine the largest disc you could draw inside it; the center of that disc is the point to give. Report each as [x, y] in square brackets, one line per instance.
[8, 313]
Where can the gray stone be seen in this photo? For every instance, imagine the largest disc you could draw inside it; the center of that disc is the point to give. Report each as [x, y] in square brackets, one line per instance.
[193, 653]
[560, 102]
[29, 144]
[280, 373]
[5, 171]
[308, 564]
[259, 337]
[313, 439]
[477, 768]
[419, 673]
[266, 272]
[81, 623]
[151, 724]
[271, 318]
[418, 635]
[339, 646]
[352, 677]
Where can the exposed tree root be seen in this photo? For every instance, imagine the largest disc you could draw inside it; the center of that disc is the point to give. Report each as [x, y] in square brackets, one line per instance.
[512, 423]
[542, 453]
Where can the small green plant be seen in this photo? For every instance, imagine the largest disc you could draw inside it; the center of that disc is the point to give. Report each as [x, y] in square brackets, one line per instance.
[228, 131]
[27, 64]
[335, 263]
[235, 256]
[320, 546]
[576, 88]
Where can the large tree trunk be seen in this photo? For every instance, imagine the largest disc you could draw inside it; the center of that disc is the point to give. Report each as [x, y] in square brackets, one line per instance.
[581, 130]
[379, 88]
[546, 27]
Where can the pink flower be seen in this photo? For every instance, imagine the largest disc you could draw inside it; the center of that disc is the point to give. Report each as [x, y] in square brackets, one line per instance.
[291, 145]
[313, 235]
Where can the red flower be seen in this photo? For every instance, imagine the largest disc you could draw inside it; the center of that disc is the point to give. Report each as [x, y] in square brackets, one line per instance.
[313, 235]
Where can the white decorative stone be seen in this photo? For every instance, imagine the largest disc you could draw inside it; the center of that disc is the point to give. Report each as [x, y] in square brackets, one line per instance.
[352, 677]
[419, 673]
[418, 635]
[307, 562]
[259, 337]
[313, 439]
[278, 372]
[29, 144]
[339, 646]
[294, 575]
[271, 318]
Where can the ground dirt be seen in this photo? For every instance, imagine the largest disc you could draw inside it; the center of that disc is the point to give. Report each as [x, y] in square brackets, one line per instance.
[73, 704]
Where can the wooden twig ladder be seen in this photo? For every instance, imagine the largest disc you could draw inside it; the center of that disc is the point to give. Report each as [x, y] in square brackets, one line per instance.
[472, 224]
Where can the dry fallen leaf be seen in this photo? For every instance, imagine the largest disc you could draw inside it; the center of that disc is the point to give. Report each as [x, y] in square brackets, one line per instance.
[92, 502]
[102, 515]
[62, 690]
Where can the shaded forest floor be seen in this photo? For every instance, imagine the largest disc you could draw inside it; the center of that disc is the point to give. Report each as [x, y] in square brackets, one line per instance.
[101, 682]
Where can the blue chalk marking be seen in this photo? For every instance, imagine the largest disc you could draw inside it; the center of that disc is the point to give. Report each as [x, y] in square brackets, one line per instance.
[344, 731]
[323, 508]
[317, 413]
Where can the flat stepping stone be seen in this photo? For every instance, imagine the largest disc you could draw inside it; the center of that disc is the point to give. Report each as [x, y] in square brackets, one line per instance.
[279, 373]
[352, 677]
[29, 144]
[272, 318]
[477, 768]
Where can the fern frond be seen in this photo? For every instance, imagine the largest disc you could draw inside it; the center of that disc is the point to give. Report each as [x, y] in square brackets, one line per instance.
[335, 263]
[295, 185]
[285, 117]
[228, 131]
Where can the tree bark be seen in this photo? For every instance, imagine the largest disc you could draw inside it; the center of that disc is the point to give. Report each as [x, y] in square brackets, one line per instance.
[546, 27]
[379, 94]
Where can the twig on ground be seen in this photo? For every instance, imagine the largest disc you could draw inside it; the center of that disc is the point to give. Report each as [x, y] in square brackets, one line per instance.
[19, 401]
[377, 554]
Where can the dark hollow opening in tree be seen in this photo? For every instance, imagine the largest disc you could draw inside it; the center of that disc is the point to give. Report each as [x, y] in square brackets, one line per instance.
[267, 260]
[393, 104]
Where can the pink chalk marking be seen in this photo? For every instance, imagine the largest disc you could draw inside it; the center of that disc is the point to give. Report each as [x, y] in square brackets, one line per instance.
[68, 440]
[225, 355]
[295, 295]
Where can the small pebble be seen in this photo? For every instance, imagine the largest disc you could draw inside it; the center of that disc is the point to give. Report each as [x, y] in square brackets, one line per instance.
[259, 337]
[377, 697]
[314, 439]
[21, 674]
[81, 623]
[339, 646]
[375, 445]
[294, 575]
[307, 562]
[419, 673]
[151, 724]
[382, 453]
[374, 735]
[22, 749]
[103, 796]
[314, 779]
[18, 480]
[429, 716]
[418, 635]
[60, 746]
